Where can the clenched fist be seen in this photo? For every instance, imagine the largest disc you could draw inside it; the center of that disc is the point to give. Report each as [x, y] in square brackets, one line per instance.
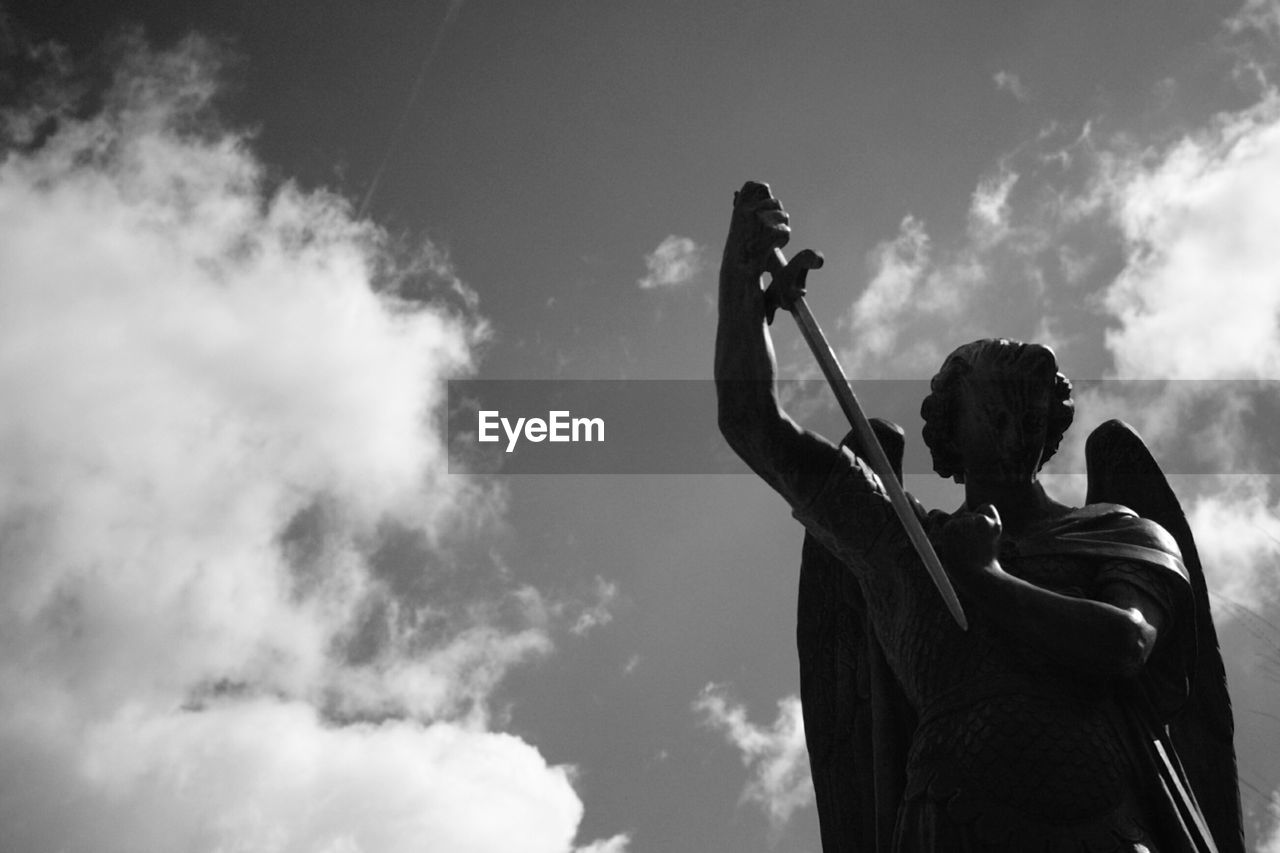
[758, 226]
[970, 541]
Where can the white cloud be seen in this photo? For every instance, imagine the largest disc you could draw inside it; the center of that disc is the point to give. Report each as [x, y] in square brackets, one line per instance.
[989, 206]
[676, 261]
[1197, 299]
[1237, 529]
[1007, 81]
[191, 361]
[776, 756]
[597, 613]
[921, 298]
[1271, 844]
[269, 775]
[1198, 295]
[615, 844]
[900, 266]
[1260, 15]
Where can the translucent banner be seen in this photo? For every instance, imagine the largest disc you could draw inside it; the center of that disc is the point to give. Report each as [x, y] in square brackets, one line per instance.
[544, 427]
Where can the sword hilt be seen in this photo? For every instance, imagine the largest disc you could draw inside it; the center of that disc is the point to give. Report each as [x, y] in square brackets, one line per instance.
[788, 279]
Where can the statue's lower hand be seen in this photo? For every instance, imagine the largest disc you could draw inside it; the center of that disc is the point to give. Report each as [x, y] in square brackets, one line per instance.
[758, 226]
[970, 541]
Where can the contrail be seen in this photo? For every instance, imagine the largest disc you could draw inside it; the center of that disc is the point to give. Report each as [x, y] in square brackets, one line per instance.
[450, 14]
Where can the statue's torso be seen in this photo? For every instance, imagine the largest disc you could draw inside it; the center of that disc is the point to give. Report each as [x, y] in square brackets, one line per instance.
[1011, 750]
[1010, 745]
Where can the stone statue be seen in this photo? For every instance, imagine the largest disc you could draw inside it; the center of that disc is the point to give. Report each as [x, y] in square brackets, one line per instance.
[1085, 708]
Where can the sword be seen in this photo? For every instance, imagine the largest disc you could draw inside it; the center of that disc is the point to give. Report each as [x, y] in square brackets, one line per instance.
[786, 291]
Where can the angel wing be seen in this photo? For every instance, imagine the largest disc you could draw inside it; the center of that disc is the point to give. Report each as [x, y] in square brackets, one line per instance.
[857, 721]
[1121, 470]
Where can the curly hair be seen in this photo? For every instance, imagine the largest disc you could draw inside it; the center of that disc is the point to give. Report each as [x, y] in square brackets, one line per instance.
[1031, 365]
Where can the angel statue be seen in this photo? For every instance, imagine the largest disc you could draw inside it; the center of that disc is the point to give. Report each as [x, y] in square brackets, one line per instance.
[1084, 708]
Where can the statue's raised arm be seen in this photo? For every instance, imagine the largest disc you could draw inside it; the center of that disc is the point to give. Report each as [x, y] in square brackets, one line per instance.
[796, 462]
[788, 457]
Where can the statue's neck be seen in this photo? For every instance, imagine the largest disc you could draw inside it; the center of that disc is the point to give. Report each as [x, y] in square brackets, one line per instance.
[1020, 504]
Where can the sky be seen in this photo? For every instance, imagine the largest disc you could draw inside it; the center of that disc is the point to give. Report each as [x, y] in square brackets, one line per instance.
[249, 601]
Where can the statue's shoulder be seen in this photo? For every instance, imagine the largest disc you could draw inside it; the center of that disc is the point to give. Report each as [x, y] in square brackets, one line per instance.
[1108, 531]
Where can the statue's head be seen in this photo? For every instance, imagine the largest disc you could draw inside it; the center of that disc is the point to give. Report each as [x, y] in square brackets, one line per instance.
[997, 406]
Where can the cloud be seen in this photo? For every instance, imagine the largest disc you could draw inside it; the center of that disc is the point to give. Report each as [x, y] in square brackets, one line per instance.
[1007, 81]
[220, 394]
[1197, 297]
[899, 269]
[1237, 528]
[597, 613]
[922, 295]
[1271, 844]
[616, 844]
[989, 206]
[270, 775]
[1260, 15]
[676, 261]
[776, 756]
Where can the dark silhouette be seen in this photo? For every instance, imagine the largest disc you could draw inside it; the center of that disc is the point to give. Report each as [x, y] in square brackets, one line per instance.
[1086, 706]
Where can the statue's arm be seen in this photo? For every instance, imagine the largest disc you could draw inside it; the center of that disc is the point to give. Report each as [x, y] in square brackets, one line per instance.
[1108, 638]
[789, 458]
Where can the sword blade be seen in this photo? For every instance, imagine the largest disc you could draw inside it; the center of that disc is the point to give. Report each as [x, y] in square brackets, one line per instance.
[876, 458]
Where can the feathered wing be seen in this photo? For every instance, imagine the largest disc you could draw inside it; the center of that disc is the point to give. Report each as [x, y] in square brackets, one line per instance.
[857, 722]
[1122, 470]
